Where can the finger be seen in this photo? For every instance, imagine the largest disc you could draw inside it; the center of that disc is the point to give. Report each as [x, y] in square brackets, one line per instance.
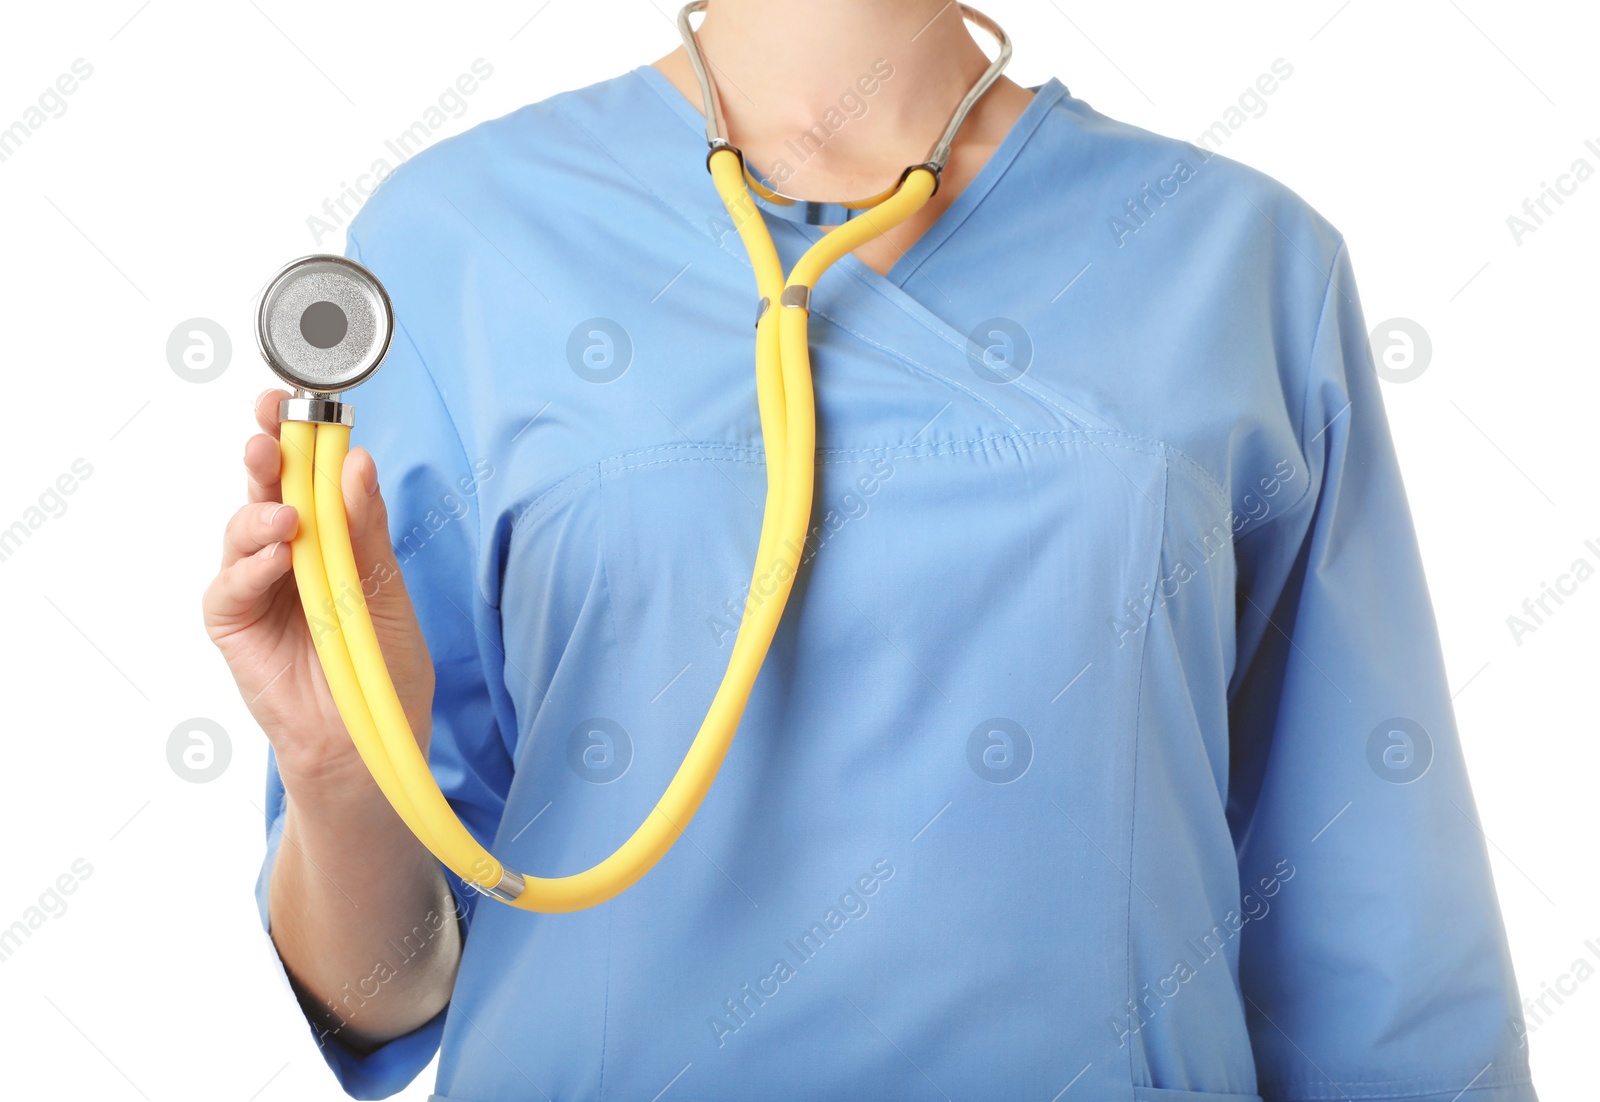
[267, 409]
[256, 526]
[262, 465]
[237, 591]
[369, 530]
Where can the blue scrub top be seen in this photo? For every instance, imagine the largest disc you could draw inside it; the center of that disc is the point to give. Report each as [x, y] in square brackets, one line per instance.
[1105, 750]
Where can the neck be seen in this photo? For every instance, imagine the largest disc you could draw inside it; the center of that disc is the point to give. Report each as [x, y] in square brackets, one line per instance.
[842, 92]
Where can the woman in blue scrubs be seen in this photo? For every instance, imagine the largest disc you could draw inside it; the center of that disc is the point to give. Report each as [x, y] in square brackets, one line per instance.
[1105, 750]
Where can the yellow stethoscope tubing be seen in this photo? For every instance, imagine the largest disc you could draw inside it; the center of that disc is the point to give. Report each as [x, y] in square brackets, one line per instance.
[772, 196]
[298, 477]
[324, 563]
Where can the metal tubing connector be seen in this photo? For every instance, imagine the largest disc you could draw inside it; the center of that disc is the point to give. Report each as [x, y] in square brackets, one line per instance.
[320, 411]
[507, 889]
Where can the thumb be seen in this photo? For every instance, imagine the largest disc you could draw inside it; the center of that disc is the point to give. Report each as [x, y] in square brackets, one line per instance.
[368, 515]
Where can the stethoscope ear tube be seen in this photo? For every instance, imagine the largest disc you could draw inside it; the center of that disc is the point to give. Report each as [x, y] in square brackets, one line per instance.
[313, 449]
[823, 212]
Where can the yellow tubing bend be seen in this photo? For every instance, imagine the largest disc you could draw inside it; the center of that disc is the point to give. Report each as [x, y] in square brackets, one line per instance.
[332, 594]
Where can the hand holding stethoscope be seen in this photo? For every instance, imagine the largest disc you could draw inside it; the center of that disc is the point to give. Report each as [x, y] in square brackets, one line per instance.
[253, 614]
[324, 324]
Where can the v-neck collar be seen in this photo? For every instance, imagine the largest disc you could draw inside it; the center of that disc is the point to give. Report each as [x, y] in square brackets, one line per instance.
[669, 164]
[1045, 96]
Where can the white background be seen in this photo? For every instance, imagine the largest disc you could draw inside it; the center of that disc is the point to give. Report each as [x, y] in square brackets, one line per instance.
[182, 175]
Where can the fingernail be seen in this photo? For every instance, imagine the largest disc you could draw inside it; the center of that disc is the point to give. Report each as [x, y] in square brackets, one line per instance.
[262, 395]
[369, 478]
[274, 514]
[273, 549]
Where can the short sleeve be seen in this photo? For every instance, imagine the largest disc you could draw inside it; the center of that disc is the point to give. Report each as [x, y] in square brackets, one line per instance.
[431, 487]
[1383, 969]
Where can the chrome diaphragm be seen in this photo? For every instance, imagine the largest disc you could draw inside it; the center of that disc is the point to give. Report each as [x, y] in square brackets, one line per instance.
[323, 325]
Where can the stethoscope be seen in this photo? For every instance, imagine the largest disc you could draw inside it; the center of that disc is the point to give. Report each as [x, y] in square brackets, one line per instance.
[324, 324]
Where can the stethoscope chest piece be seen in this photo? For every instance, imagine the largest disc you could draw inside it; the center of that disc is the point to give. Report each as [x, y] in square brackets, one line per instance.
[323, 324]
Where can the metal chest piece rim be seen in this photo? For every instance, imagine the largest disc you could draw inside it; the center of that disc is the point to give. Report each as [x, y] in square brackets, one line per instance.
[323, 325]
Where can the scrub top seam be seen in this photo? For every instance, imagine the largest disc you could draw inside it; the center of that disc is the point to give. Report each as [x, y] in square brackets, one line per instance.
[616, 637]
[540, 506]
[896, 353]
[937, 328]
[1305, 397]
[1424, 1088]
[605, 577]
[1133, 778]
[941, 330]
